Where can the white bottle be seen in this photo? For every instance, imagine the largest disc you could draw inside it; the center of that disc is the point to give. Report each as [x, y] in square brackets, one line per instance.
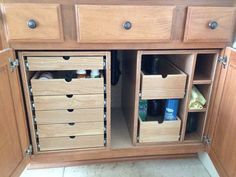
[81, 73]
[95, 73]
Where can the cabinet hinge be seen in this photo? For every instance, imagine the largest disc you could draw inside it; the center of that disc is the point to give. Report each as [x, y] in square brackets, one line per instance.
[29, 150]
[13, 64]
[223, 60]
[207, 140]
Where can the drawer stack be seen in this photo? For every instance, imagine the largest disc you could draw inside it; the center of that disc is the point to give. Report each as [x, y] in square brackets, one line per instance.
[69, 112]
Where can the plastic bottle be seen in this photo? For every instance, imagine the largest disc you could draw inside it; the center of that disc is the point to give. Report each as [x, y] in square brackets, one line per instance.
[143, 109]
[171, 109]
[81, 73]
[95, 73]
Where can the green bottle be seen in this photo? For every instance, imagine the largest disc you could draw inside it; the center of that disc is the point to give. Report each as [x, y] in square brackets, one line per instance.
[143, 109]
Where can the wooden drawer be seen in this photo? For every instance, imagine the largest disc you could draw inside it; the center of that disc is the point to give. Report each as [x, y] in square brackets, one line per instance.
[120, 23]
[152, 131]
[63, 87]
[32, 22]
[70, 129]
[157, 87]
[71, 142]
[201, 20]
[70, 115]
[65, 102]
[64, 63]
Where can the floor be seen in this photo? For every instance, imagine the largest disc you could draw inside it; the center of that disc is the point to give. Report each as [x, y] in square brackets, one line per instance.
[191, 167]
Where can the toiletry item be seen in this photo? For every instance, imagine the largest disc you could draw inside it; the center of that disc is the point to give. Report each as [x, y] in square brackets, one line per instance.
[154, 107]
[192, 123]
[95, 73]
[171, 109]
[152, 64]
[69, 75]
[143, 109]
[45, 76]
[197, 100]
[81, 73]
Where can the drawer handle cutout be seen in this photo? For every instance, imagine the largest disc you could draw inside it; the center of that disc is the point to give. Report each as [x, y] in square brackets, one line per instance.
[69, 96]
[66, 57]
[70, 110]
[213, 25]
[68, 79]
[72, 137]
[127, 25]
[71, 124]
[32, 24]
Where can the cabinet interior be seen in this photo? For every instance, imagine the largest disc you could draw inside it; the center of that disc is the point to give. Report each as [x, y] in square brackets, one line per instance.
[127, 130]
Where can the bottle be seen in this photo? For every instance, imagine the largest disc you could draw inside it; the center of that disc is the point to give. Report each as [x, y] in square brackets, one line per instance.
[171, 109]
[142, 109]
[45, 76]
[154, 107]
[81, 73]
[192, 123]
[95, 73]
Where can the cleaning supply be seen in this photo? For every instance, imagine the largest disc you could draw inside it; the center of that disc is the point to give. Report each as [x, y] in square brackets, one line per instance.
[197, 100]
[154, 107]
[171, 109]
[143, 109]
[46, 75]
[192, 123]
[95, 73]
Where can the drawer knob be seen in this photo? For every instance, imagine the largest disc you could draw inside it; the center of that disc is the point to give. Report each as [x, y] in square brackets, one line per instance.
[213, 25]
[127, 25]
[32, 24]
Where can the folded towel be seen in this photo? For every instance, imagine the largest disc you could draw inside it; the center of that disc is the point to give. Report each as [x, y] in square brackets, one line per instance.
[197, 100]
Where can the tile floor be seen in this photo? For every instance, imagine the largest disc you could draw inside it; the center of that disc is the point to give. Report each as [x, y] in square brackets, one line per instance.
[191, 167]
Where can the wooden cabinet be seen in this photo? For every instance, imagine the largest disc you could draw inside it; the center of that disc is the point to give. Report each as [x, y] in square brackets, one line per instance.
[35, 22]
[13, 130]
[70, 120]
[223, 146]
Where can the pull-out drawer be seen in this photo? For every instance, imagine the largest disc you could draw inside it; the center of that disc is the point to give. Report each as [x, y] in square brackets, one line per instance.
[210, 24]
[167, 86]
[64, 63]
[71, 142]
[68, 102]
[32, 22]
[70, 129]
[120, 23]
[62, 86]
[70, 115]
[152, 131]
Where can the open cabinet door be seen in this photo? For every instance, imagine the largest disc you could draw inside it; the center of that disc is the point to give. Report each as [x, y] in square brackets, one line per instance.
[222, 149]
[14, 139]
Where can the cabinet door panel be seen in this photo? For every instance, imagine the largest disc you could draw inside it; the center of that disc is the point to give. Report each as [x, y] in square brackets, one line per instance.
[11, 145]
[223, 148]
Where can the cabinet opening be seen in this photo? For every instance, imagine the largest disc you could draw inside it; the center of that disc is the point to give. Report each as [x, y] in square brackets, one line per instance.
[204, 68]
[195, 126]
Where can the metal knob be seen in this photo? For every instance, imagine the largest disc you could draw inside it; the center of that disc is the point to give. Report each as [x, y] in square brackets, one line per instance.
[127, 25]
[213, 25]
[32, 24]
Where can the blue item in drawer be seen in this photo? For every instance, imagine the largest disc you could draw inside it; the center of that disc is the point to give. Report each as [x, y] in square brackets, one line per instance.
[171, 109]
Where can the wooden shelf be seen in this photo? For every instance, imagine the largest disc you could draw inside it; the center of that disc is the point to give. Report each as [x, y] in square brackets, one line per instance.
[201, 79]
[192, 137]
[198, 110]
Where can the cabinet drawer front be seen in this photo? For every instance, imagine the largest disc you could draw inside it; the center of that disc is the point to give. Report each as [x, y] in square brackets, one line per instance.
[152, 131]
[70, 115]
[209, 24]
[117, 23]
[70, 129]
[64, 63]
[65, 102]
[33, 22]
[62, 87]
[71, 142]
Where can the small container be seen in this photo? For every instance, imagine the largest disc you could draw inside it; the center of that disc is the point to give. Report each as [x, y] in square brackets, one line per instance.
[171, 109]
[95, 73]
[81, 73]
[192, 123]
[45, 76]
[143, 109]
